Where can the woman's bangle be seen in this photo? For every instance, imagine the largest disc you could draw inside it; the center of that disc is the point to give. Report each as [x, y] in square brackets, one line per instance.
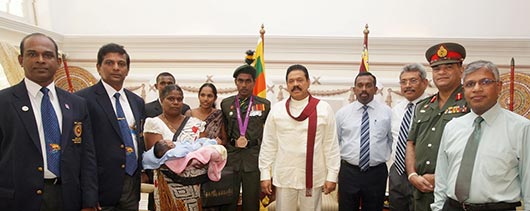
[412, 174]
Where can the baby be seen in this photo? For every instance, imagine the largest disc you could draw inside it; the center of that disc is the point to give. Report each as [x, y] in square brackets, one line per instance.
[161, 147]
[177, 156]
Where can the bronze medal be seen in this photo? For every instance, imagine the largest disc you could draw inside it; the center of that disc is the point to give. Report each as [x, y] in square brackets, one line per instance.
[241, 142]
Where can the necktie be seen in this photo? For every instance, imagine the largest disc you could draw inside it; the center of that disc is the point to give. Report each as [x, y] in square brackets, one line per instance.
[243, 104]
[364, 158]
[402, 140]
[130, 156]
[463, 180]
[52, 134]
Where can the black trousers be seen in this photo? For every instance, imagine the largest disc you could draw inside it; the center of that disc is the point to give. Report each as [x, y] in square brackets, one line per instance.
[249, 183]
[356, 186]
[52, 197]
[129, 200]
[400, 191]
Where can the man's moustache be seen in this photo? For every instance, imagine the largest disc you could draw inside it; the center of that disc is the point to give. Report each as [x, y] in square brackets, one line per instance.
[295, 88]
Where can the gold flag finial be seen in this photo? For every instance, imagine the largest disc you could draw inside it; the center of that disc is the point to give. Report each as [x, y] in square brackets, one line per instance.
[262, 30]
[366, 31]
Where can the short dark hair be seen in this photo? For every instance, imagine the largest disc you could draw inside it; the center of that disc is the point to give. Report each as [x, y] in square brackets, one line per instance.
[297, 67]
[38, 34]
[159, 149]
[214, 90]
[165, 74]
[366, 73]
[172, 87]
[112, 48]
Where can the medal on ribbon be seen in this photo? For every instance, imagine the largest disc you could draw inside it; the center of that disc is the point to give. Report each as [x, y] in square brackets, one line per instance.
[242, 141]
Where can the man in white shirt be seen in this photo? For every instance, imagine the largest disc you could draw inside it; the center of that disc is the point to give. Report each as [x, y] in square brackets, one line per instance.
[413, 82]
[300, 147]
[483, 156]
[365, 140]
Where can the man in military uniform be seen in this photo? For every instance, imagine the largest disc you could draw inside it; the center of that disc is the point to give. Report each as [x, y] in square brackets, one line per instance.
[245, 116]
[430, 118]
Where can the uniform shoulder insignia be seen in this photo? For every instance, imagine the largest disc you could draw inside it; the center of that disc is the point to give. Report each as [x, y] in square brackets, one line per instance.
[458, 96]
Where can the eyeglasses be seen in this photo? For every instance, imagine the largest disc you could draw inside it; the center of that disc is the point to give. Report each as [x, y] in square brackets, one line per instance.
[481, 82]
[412, 81]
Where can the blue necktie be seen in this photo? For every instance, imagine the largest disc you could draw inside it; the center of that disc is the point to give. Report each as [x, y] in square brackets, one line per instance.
[52, 134]
[130, 156]
[463, 180]
[364, 159]
[402, 140]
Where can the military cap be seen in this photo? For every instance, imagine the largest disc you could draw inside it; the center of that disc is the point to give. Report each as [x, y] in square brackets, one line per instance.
[445, 53]
[245, 69]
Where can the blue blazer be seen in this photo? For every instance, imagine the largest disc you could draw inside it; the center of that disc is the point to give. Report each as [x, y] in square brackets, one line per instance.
[109, 143]
[21, 162]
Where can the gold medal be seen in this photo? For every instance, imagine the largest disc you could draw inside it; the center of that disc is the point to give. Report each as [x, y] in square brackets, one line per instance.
[241, 142]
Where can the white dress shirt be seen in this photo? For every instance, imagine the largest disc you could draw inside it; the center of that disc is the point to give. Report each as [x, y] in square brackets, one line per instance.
[500, 173]
[126, 110]
[349, 132]
[398, 111]
[283, 148]
[35, 97]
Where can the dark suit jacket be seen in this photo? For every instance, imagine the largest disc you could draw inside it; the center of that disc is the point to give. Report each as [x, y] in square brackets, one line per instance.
[110, 148]
[154, 108]
[244, 159]
[21, 162]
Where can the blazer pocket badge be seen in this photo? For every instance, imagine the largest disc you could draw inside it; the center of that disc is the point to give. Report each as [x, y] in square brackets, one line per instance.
[78, 131]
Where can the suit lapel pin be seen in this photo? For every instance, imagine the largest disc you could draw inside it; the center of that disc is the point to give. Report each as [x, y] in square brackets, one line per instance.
[25, 108]
[67, 106]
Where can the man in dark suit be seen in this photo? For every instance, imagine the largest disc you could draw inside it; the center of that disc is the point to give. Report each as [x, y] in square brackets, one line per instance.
[118, 116]
[47, 153]
[154, 108]
[244, 140]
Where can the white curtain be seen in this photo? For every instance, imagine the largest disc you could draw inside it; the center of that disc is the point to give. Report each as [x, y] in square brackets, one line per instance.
[11, 71]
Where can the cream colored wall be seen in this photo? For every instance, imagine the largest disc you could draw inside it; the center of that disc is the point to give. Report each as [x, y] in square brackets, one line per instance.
[387, 18]
[332, 61]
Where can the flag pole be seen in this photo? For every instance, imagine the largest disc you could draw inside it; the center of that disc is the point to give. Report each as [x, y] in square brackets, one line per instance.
[67, 73]
[262, 35]
[364, 55]
[512, 81]
[366, 32]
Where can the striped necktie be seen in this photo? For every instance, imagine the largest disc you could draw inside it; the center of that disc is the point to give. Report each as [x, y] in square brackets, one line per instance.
[463, 180]
[52, 134]
[402, 140]
[364, 158]
[130, 156]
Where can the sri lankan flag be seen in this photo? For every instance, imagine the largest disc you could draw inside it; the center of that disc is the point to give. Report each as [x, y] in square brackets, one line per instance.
[260, 87]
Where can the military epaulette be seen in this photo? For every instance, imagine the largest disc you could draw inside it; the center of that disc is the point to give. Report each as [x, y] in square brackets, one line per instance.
[426, 101]
[433, 98]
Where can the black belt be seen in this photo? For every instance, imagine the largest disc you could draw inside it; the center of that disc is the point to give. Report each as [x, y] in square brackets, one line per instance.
[357, 167]
[54, 181]
[483, 207]
[185, 180]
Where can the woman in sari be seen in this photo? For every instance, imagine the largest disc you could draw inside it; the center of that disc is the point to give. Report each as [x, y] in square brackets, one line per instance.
[207, 112]
[175, 191]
